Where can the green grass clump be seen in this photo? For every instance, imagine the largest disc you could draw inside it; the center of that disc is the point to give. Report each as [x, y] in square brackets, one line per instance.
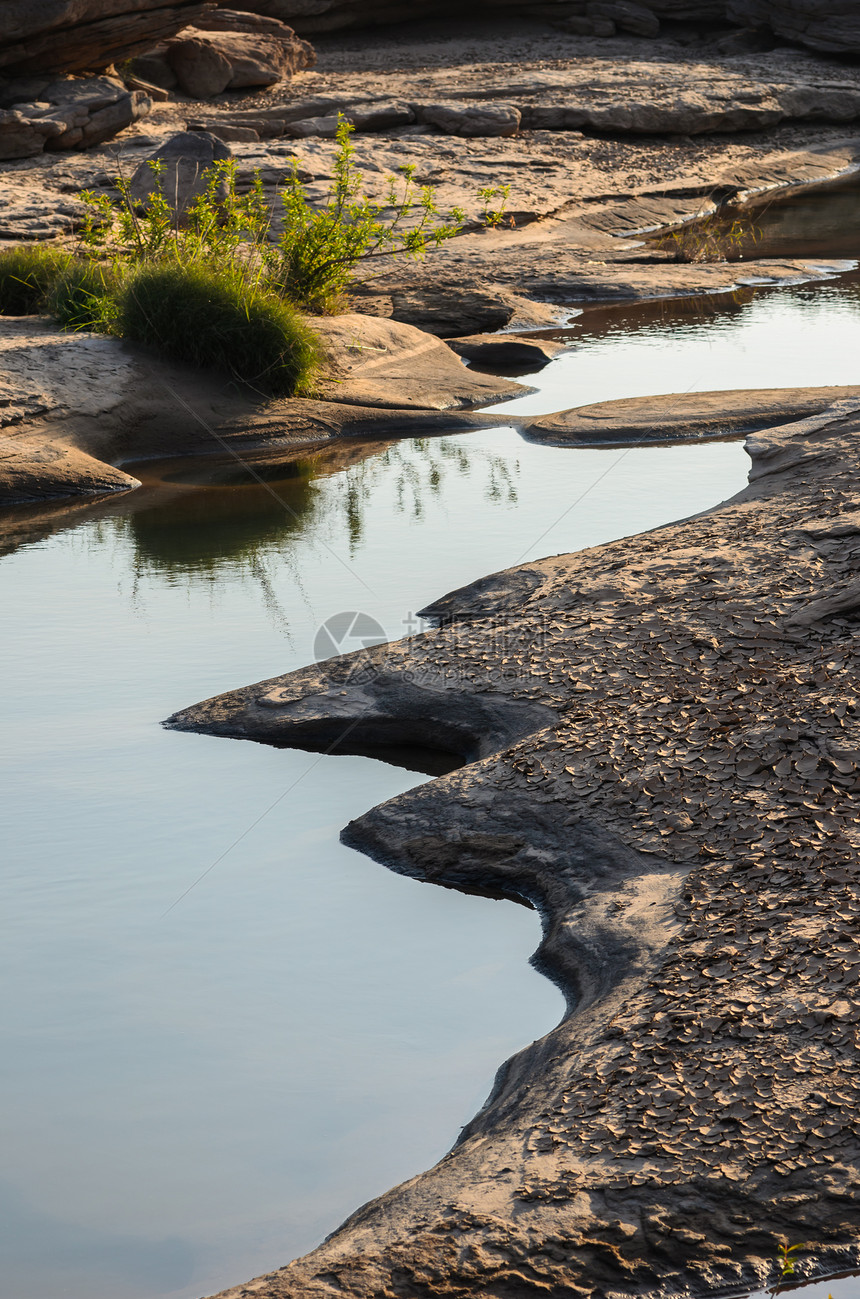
[27, 276]
[219, 319]
[85, 296]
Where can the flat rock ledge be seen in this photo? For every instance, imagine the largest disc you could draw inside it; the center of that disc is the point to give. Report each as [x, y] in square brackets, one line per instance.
[662, 739]
[75, 408]
[683, 416]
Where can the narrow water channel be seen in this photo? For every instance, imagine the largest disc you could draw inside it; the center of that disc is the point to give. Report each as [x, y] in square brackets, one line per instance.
[224, 1030]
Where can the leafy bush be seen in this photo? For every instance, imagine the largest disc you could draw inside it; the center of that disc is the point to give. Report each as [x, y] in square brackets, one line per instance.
[85, 296]
[27, 276]
[219, 319]
[320, 247]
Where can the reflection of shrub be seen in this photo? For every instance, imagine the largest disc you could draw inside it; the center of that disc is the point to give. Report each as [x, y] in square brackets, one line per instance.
[84, 296]
[712, 239]
[218, 319]
[26, 278]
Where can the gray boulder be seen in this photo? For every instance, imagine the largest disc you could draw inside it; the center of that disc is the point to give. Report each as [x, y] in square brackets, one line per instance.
[186, 157]
[474, 120]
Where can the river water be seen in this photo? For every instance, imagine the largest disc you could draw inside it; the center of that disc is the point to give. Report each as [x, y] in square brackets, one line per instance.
[223, 1030]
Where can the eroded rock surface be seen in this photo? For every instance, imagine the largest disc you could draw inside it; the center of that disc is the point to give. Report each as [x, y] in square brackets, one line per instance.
[85, 35]
[684, 816]
[74, 407]
[830, 25]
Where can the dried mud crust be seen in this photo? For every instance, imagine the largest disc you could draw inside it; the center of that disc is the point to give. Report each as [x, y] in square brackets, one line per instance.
[687, 825]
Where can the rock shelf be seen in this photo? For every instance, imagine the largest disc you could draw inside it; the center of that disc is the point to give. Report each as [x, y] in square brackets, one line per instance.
[684, 817]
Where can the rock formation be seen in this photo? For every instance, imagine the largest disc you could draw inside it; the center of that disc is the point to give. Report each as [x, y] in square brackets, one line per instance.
[829, 25]
[662, 739]
[85, 35]
[69, 113]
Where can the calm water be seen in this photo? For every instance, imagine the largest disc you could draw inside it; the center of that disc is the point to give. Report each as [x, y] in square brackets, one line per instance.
[196, 1096]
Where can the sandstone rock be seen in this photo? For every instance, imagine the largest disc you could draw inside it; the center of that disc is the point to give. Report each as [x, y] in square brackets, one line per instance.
[474, 120]
[72, 113]
[376, 362]
[683, 416]
[500, 352]
[829, 25]
[627, 16]
[186, 157]
[381, 117]
[85, 35]
[206, 63]
[201, 69]
[73, 405]
[326, 127]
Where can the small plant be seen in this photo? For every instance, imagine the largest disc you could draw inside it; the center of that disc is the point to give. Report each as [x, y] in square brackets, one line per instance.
[712, 239]
[26, 278]
[219, 319]
[494, 216]
[84, 296]
[219, 226]
[785, 1262]
[319, 248]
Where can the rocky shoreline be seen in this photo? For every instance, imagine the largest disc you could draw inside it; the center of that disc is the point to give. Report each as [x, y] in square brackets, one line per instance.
[660, 736]
[662, 757]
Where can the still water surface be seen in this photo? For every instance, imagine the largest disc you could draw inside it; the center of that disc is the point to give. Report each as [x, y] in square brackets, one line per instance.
[193, 1093]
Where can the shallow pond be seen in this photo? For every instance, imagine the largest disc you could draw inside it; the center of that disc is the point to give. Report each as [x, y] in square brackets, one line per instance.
[223, 1029]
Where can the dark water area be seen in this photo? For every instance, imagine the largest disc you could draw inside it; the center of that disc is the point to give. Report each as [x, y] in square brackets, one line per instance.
[222, 1029]
[808, 222]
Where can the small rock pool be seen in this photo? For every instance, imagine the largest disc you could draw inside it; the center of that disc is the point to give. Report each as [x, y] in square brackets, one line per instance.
[223, 1030]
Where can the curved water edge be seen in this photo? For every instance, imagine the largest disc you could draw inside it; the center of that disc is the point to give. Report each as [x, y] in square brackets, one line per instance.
[159, 1047]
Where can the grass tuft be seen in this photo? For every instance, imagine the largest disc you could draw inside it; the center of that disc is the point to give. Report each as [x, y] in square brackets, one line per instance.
[85, 296]
[27, 276]
[218, 320]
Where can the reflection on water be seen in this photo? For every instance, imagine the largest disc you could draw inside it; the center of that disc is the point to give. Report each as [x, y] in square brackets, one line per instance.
[808, 223]
[201, 1079]
[212, 1079]
[807, 335]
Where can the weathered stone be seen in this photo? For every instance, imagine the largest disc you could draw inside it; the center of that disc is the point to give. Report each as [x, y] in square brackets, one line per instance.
[72, 113]
[201, 69]
[829, 25]
[206, 63]
[86, 35]
[326, 127]
[627, 16]
[684, 416]
[495, 352]
[73, 403]
[186, 157]
[476, 120]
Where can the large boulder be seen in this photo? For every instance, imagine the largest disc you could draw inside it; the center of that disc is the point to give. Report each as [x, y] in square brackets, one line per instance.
[51, 36]
[69, 113]
[829, 25]
[238, 53]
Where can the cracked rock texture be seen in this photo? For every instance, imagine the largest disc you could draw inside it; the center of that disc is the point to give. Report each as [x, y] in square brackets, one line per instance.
[683, 814]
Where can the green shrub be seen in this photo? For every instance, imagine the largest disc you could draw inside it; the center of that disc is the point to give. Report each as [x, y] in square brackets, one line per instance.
[320, 247]
[85, 296]
[219, 319]
[26, 278]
